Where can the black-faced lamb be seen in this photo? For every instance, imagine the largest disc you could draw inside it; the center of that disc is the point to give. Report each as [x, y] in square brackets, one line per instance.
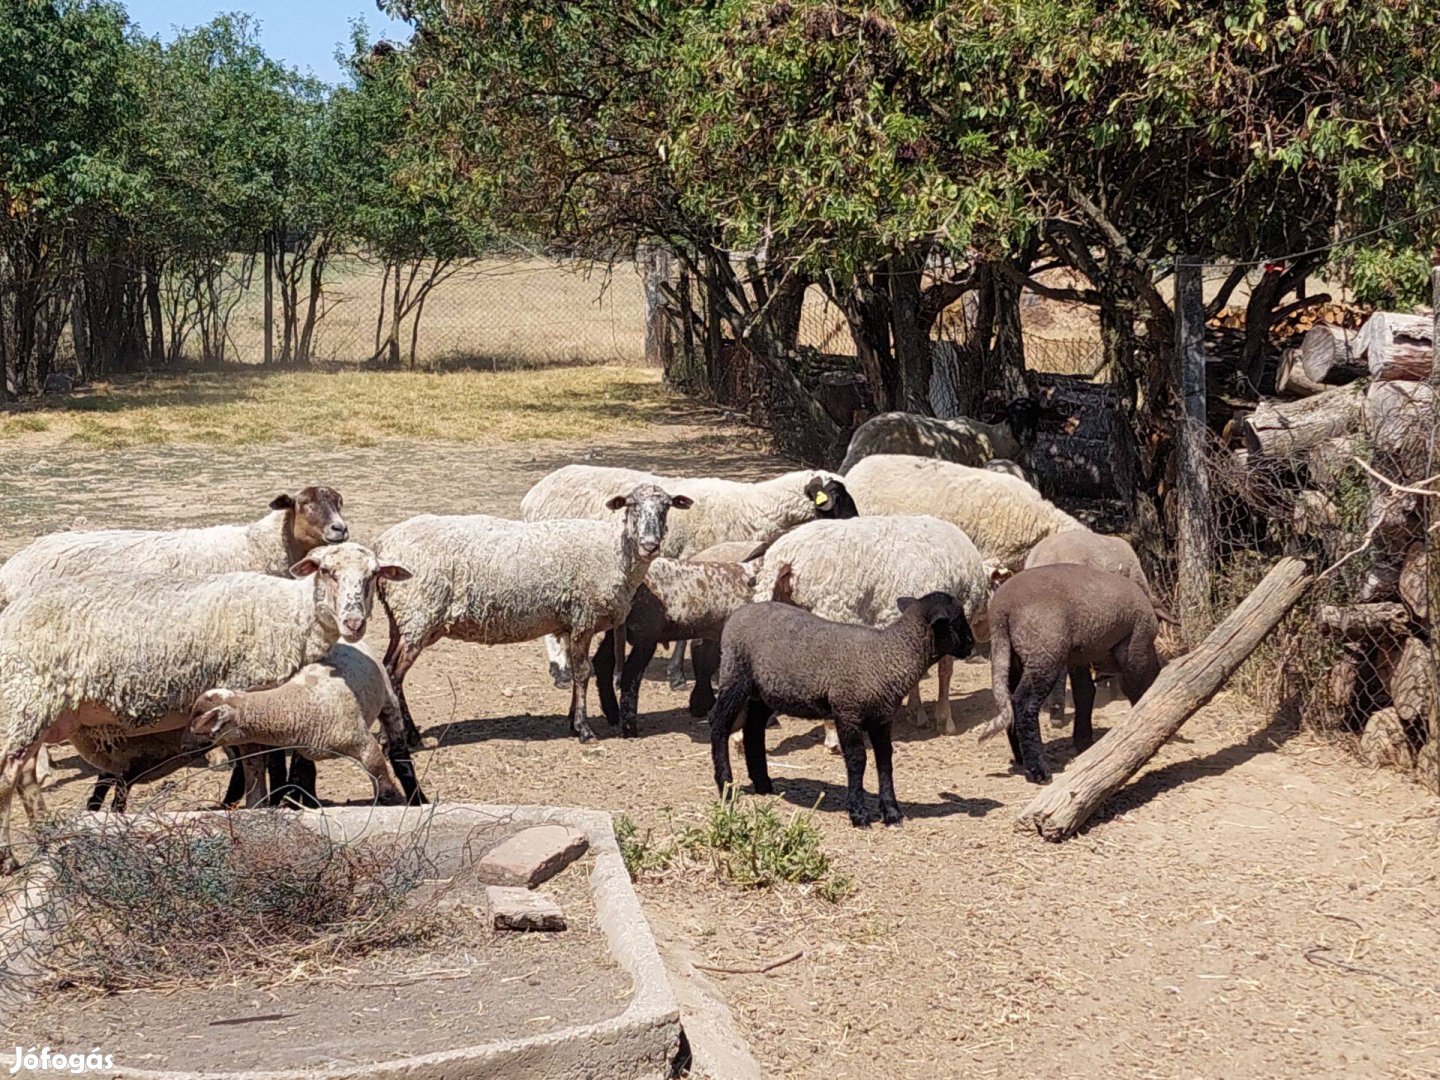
[856, 571]
[775, 658]
[494, 581]
[135, 650]
[963, 440]
[679, 600]
[296, 525]
[1058, 618]
[325, 710]
[1005, 517]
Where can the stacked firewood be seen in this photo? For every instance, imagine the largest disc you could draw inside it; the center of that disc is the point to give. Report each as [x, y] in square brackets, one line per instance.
[1357, 402]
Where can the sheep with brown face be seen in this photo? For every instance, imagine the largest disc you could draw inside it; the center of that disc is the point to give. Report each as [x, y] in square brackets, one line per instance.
[295, 526]
[1058, 618]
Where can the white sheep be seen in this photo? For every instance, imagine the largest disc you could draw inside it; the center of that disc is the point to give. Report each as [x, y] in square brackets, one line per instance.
[1005, 517]
[724, 510]
[295, 526]
[857, 571]
[494, 581]
[136, 650]
[324, 710]
[963, 440]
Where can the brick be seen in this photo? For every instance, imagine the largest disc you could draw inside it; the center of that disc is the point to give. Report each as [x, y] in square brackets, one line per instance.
[532, 856]
[513, 908]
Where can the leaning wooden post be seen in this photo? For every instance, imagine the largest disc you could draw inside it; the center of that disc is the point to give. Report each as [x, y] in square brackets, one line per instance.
[655, 271]
[1193, 486]
[1182, 688]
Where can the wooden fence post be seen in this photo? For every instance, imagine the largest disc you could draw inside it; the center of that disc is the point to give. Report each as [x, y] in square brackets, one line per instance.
[1193, 487]
[655, 271]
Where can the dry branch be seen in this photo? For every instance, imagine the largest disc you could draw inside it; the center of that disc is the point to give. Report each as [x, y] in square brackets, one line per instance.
[1182, 688]
[1365, 620]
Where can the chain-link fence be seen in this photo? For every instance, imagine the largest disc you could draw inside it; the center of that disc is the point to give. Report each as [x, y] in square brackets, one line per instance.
[1346, 478]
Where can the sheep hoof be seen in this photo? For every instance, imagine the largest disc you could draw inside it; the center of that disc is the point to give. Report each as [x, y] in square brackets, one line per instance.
[892, 817]
[763, 787]
[560, 675]
[413, 739]
[860, 819]
[1038, 775]
[417, 798]
[1081, 745]
[629, 731]
[678, 680]
[586, 733]
[834, 748]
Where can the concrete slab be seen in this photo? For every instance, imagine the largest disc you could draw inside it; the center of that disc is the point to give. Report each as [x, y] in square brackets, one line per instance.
[639, 1044]
[514, 908]
[532, 856]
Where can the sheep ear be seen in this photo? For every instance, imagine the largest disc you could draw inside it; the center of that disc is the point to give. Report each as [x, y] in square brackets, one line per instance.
[304, 568]
[208, 722]
[616, 503]
[681, 502]
[905, 603]
[282, 502]
[393, 572]
[784, 580]
[999, 575]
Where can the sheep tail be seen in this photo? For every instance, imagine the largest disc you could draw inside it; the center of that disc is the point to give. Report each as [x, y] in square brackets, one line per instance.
[733, 695]
[1000, 684]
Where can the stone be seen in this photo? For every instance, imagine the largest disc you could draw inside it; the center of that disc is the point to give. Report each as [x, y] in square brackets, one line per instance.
[532, 856]
[513, 908]
[1385, 742]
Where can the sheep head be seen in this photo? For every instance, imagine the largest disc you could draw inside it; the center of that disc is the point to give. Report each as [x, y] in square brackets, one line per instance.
[646, 509]
[346, 576]
[313, 517]
[950, 633]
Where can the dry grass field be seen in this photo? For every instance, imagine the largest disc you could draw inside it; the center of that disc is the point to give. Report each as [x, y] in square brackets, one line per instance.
[1253, 905]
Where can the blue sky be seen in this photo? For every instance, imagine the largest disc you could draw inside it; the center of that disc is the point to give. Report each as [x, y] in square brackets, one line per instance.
[301, 33]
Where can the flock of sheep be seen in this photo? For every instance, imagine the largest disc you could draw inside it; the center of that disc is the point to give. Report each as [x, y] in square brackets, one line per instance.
[812, 594]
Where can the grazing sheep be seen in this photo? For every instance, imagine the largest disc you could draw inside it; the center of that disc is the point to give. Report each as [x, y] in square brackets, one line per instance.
[724, 510]
[678, 601]
[962, 440]
[494, 581]
[125, 759]
[324, 710]
[136, 650]
[1005, 517]
[296, 525]
[776, 658]
[856, 571]
[1064, 617]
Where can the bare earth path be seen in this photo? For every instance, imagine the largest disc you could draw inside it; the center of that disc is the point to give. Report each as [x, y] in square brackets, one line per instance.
[1254, 905]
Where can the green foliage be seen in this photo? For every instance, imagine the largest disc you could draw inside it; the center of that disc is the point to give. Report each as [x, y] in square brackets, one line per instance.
[749, 845]
[643, 854]
[1389, 276]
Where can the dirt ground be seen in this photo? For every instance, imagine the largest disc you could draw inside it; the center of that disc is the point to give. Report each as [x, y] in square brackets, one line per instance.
[1254, 904]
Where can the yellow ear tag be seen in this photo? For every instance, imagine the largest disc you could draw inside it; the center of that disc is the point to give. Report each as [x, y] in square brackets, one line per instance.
[821, 498]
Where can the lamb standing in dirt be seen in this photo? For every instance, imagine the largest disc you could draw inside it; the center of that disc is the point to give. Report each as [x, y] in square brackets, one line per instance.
[295, 526]
[724, 510]
[1005, 517]
[963, 440]
[1058, 618]
[776, 658]
[493, 581]
[125, 760]
[135, 650]
[855, 571]
[325, 710]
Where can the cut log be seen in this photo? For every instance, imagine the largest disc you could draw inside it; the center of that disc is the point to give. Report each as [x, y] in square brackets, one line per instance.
[1340, 683]
[1313, 514]
[1327, 356]
[1398, 418]
[1414, 585]
[1385, 741]
[1328, 461]
[1412, 687]
[1182, 688]
[1291, 379]
[1365, 620]
[1396, 346]
[1282, 429]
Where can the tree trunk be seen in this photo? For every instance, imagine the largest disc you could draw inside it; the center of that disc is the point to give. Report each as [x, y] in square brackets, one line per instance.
[1194, 515]
[152, 305]
[1182, 688]
[1263, 298]
[655, 271]
[1283, 429]
[1327, 355]
[911, 348]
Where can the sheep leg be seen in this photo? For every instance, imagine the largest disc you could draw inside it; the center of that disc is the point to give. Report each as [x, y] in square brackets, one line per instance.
[9, 781]
[300, 781]
[641, 653]
[756, 714]
[579, 684]
[832, 740]
[1016, 671]
[917, 707]
[676, 668]
[1084, 687]
[604, 665]
[733, 697]
[256, 791]
[236, 789]
[558, 653]
[276, 773]
[1034, 688]
[372, 760]
[103, 785]
[852, 748]
[1056, 704]
[706, 655]
[399, 659]
[945, 671]
[393, 725]
[879, 731]
[620, 642]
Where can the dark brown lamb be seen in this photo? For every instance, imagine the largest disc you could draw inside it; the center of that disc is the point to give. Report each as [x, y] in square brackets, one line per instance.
[775, 658]
[1064, 617]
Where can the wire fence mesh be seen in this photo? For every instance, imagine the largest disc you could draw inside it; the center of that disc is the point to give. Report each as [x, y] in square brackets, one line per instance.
[1356, 657]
